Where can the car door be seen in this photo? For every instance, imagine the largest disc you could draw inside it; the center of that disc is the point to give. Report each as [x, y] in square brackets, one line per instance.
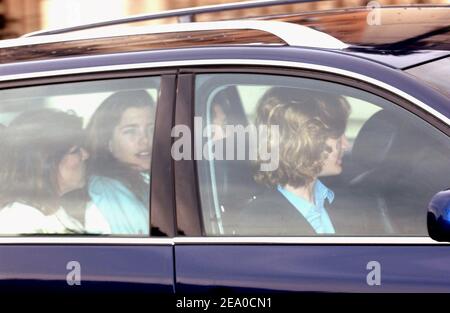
[96, 260]
[253, 238]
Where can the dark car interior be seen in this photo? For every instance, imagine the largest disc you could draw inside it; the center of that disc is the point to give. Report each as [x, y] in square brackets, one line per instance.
[394, 169]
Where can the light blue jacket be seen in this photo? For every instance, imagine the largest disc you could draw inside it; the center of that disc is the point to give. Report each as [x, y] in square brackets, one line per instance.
[124, 212]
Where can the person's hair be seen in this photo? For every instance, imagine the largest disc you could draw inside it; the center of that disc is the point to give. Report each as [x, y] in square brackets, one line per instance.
[234, 112]
[32, 147]
[305, 119]
[100, 131]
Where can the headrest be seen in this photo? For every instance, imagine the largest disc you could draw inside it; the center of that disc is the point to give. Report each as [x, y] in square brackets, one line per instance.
[375, 140]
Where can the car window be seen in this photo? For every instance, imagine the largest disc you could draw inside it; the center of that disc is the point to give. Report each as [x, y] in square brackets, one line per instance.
[291, 156]
[75, 157]
[434, 73]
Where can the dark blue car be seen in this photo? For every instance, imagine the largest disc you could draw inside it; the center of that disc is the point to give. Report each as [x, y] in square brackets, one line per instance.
[186, 193]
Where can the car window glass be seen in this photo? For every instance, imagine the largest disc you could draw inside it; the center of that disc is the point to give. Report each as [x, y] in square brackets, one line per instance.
[76, 157]
[340, 161]
[434, 73]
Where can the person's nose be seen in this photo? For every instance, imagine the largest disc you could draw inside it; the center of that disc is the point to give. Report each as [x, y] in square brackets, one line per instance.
[144, 139]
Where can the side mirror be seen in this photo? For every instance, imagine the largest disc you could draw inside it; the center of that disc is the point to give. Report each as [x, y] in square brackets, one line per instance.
[438, 216]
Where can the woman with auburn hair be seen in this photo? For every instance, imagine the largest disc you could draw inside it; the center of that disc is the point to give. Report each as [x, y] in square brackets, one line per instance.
[120, 137]
[311, 128]
[42, 159]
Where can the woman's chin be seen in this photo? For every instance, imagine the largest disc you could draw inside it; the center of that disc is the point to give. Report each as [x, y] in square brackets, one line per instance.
[337, 170]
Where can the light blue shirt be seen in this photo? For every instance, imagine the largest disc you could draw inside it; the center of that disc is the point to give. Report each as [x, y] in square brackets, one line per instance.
[124, 212]
[316, 215]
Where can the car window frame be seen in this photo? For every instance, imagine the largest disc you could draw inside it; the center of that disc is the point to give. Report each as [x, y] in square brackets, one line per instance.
[162, 207]
[196, 228]
[226, 65]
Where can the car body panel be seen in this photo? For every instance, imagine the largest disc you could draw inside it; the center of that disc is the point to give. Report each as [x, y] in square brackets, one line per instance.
[311, 268]
[117, 268]
[399, 60]
[213, 56]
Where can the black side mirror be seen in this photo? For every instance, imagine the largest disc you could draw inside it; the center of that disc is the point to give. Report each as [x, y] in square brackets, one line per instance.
[438, 216]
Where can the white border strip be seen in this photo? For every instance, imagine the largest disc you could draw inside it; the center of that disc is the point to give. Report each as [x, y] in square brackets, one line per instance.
[290, 64]
[318, 240]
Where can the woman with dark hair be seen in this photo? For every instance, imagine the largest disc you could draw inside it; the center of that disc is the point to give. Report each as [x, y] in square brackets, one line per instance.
[42, 158]
[120, 142]
[225, 112]
[311, 143]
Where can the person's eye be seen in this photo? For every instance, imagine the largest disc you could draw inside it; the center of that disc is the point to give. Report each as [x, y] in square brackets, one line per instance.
[129, 131]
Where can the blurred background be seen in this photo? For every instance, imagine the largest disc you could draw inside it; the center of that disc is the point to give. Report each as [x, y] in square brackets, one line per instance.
[18, 17]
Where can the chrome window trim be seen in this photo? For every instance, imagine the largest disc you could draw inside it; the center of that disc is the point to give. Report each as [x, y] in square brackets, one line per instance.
[289, 64]
[319, 240]
[58, 240]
